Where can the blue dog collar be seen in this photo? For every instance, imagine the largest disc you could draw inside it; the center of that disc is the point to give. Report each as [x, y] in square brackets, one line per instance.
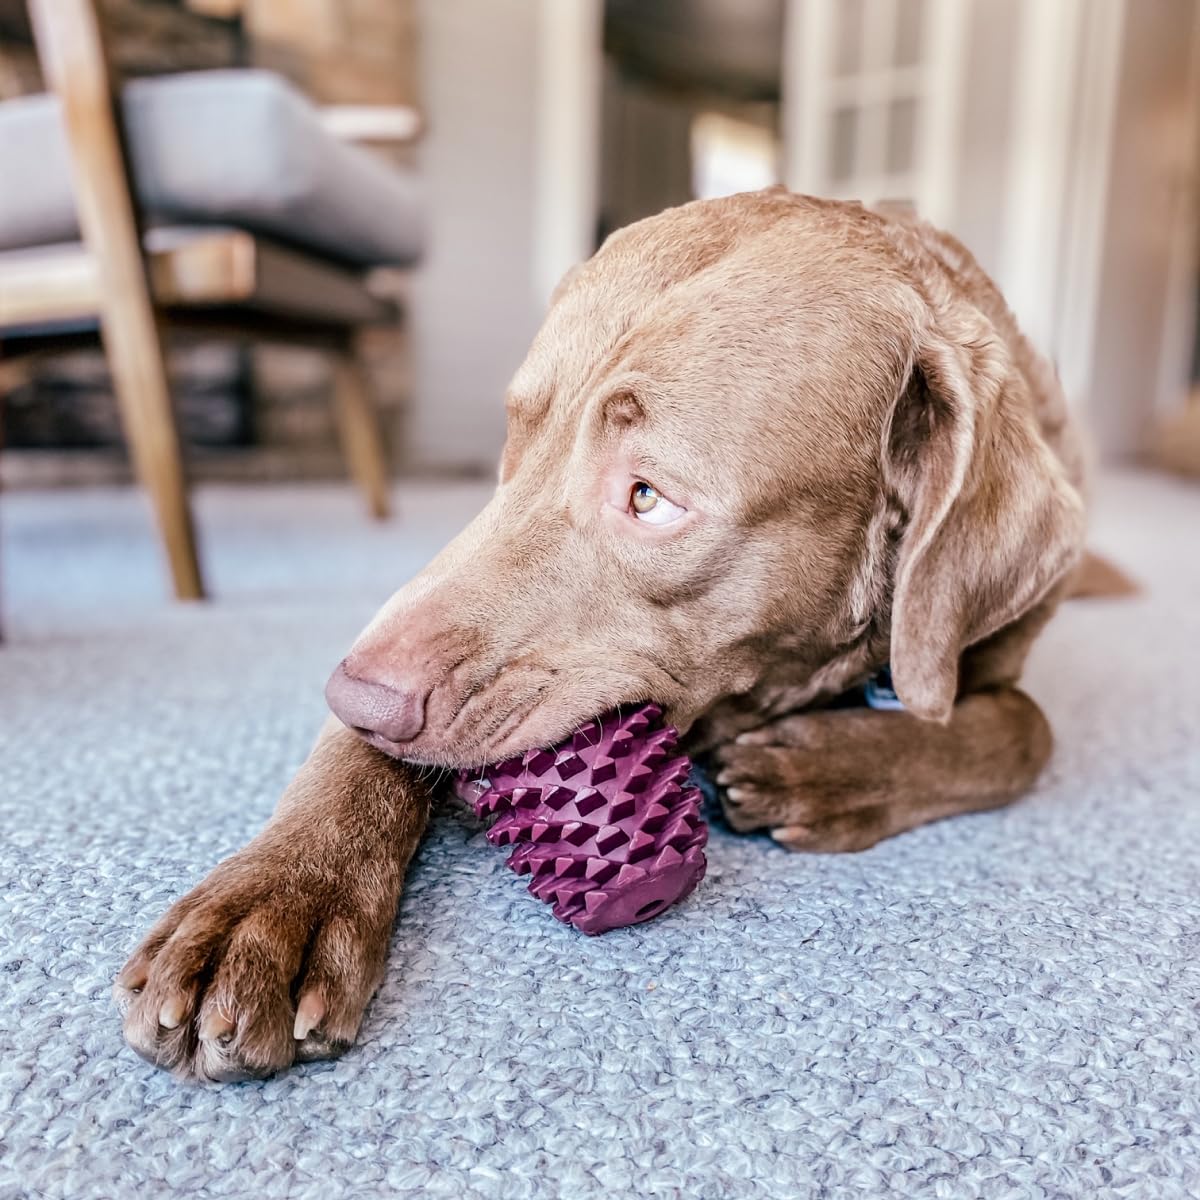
[881, 694]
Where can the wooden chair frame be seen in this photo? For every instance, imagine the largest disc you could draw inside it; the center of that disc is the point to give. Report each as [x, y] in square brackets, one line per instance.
[223, 281]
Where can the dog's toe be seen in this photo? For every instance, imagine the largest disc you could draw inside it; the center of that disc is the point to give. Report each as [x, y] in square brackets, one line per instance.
[249, 973]
[859, 829]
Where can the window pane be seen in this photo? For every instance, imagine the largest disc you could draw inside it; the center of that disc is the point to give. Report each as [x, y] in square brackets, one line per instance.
[843, 144]
[901, 135]
[849, 36]
[909, 17]
[730, 155]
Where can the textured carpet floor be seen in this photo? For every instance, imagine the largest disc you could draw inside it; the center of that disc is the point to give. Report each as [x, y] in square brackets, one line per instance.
[1004, 1005]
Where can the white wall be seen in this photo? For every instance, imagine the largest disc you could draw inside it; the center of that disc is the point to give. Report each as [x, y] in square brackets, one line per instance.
[478, 300]
[1152, 200]
[986, 129]
[474, 304]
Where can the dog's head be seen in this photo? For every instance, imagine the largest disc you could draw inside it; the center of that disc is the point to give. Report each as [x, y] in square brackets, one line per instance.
[748, 428]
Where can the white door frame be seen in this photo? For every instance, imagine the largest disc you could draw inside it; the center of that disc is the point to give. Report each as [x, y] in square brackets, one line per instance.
[1062, 86]
[813, 91]
[1180, 315]
[1088, 150]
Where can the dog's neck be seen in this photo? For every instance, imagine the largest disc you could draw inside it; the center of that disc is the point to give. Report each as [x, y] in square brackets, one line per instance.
[792, 684]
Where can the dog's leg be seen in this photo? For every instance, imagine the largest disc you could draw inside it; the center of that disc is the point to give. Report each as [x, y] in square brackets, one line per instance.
[845, 778]
[274, 956]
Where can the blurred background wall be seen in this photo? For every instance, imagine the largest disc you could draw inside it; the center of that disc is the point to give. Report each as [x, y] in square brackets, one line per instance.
[1058, 140]
[474, 306]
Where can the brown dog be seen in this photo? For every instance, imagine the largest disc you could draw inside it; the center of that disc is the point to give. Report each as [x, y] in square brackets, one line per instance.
[761, 447]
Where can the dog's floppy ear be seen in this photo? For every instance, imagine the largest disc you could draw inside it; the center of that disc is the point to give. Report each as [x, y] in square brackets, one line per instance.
[992, 521]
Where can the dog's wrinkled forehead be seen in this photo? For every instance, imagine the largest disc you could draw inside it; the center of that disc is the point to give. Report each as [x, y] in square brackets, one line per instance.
[592, 316]
[763, 302]
[603, 305]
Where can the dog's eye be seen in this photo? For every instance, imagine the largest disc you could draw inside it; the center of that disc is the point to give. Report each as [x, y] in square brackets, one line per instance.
[650, 505]
[644, 498]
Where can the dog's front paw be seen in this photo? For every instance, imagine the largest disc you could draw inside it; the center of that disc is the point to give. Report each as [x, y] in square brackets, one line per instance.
[270, 960]
[805, 779]
[777, 774]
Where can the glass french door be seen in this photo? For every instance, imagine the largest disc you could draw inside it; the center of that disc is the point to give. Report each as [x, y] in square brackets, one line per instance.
[873, 93]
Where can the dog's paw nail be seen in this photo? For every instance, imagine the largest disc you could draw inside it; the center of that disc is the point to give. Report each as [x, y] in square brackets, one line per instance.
[735, 795]
[216, 1027]
[754, 738]
[724, 777]
[172, 1012]
[133, 976]
[791, 833]
[309, 1014]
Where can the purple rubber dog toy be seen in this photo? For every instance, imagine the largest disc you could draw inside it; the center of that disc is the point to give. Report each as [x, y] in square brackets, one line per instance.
[605, 822]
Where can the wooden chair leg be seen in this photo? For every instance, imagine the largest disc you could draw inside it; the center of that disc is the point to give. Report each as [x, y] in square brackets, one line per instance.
[135, 357]
[13, 374]
[71, 51]
[358, 427]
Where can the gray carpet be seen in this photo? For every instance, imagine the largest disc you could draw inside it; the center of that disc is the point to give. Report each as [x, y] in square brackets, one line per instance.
[1005, 1005]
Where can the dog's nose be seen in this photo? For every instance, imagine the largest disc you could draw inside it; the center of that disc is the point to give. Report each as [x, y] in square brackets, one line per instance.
[395, 714]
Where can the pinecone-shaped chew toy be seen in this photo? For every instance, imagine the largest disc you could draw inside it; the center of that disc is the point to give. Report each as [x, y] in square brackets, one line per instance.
[605, 822]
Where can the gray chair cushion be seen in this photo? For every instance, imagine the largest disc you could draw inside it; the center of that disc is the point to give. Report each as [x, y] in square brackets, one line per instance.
[237, 147]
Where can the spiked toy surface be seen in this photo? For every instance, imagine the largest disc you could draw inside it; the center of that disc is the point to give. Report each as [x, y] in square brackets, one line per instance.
[605, 822]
